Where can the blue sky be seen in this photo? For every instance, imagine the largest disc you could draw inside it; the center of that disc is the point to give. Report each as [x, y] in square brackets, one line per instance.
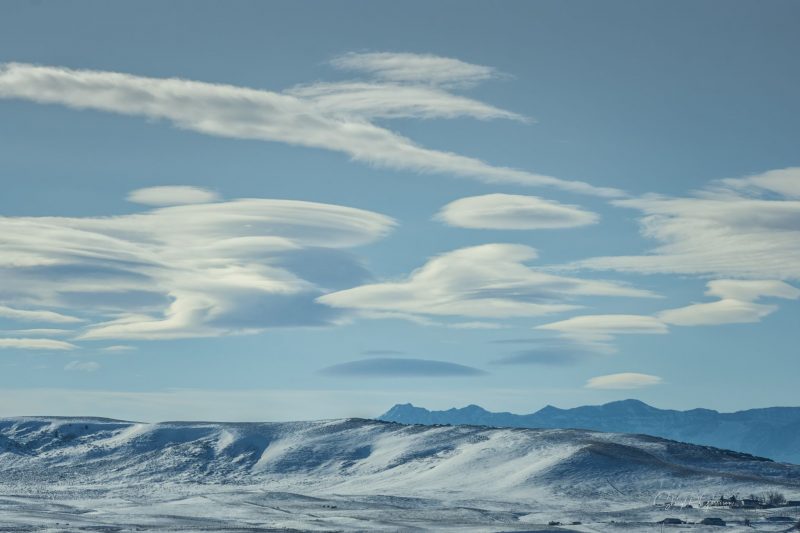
[284, 210]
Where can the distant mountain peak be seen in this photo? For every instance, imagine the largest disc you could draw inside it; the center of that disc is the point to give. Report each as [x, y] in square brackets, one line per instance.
[769, 432]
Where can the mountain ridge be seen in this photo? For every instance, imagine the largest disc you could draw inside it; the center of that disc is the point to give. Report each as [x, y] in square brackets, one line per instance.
[772, 432]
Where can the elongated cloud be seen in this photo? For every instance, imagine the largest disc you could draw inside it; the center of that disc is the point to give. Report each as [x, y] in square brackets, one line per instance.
[490, 281]
[605, 327]
[172, 195]
[392, 367]
[624, 380]
[35, 344]
[188, 270]
[417, 68]
[746, 227]
[514, 212]
[391, 100]
[37, 315]
[737, 303]
[243, 113]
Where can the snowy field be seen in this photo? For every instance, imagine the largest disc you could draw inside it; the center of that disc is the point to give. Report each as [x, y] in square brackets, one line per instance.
[361, 475]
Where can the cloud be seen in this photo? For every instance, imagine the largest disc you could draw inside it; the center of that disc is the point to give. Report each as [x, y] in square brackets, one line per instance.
[36, 316]
[82, 366]
[190, 270]
[41, 332]
[743, 228]
[401, 367]
[550, 351]
[172, 195]
[392, 100]
[244, 113]
[605, 327]
[487, 281]
[416, 68]
[513, 212]
[736, 305]
[35, 344]
[117, 348]
[625, 380]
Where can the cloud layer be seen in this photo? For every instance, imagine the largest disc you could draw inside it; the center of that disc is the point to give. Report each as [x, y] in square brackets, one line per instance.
[307, 116]
[513, 212]
[487, 281]
[188, 270]
[625, 380]
[391, 367]
[746, 227]
[172, 195]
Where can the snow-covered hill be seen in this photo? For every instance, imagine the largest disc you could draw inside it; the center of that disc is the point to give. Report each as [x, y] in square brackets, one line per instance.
[771, 432]
[537, 470]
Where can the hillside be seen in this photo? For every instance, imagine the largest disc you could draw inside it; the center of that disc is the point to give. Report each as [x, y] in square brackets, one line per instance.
[96, 471]
[772, 432]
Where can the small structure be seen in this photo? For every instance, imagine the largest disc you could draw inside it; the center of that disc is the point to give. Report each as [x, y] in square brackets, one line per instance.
[712, 521]
[672, 521]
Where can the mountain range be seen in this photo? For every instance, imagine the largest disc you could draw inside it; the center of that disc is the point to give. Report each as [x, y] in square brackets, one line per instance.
[772, 432]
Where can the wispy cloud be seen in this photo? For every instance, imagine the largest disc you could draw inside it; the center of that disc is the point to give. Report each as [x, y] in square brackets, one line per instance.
[36, 315]
[172, 195]
[392, 367]
[625, 380]
[488, 281]
[513, 212]
[371, 100]
[189, 270]
[35, 344]
[244, 113]
[746, 227]
[416, 68]
[604, 327]
[82, 366]
[737, 303]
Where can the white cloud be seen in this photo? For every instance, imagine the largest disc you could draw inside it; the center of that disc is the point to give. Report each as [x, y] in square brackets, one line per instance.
[35, 344]
[785, 182]
[391, 100]
[417, 68]
[172, 195]
[605, 327]
[37, 315]
[736, 304]
[82, 366]
[190, 270]
[625, 380]
[513, 212]
[748, 228]
[487, 281]
[243, 113]
[116, 348]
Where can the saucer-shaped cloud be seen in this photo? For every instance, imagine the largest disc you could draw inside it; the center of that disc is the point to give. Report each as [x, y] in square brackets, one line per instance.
[188, 270]
[391, 367]
[490, 281]
[172, 195]
[605, 327]
[513, 212]
[624, 380]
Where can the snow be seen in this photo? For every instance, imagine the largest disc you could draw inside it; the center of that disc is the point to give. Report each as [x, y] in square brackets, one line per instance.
[357, 474]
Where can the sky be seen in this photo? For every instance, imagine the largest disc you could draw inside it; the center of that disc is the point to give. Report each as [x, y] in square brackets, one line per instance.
[303, 210]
